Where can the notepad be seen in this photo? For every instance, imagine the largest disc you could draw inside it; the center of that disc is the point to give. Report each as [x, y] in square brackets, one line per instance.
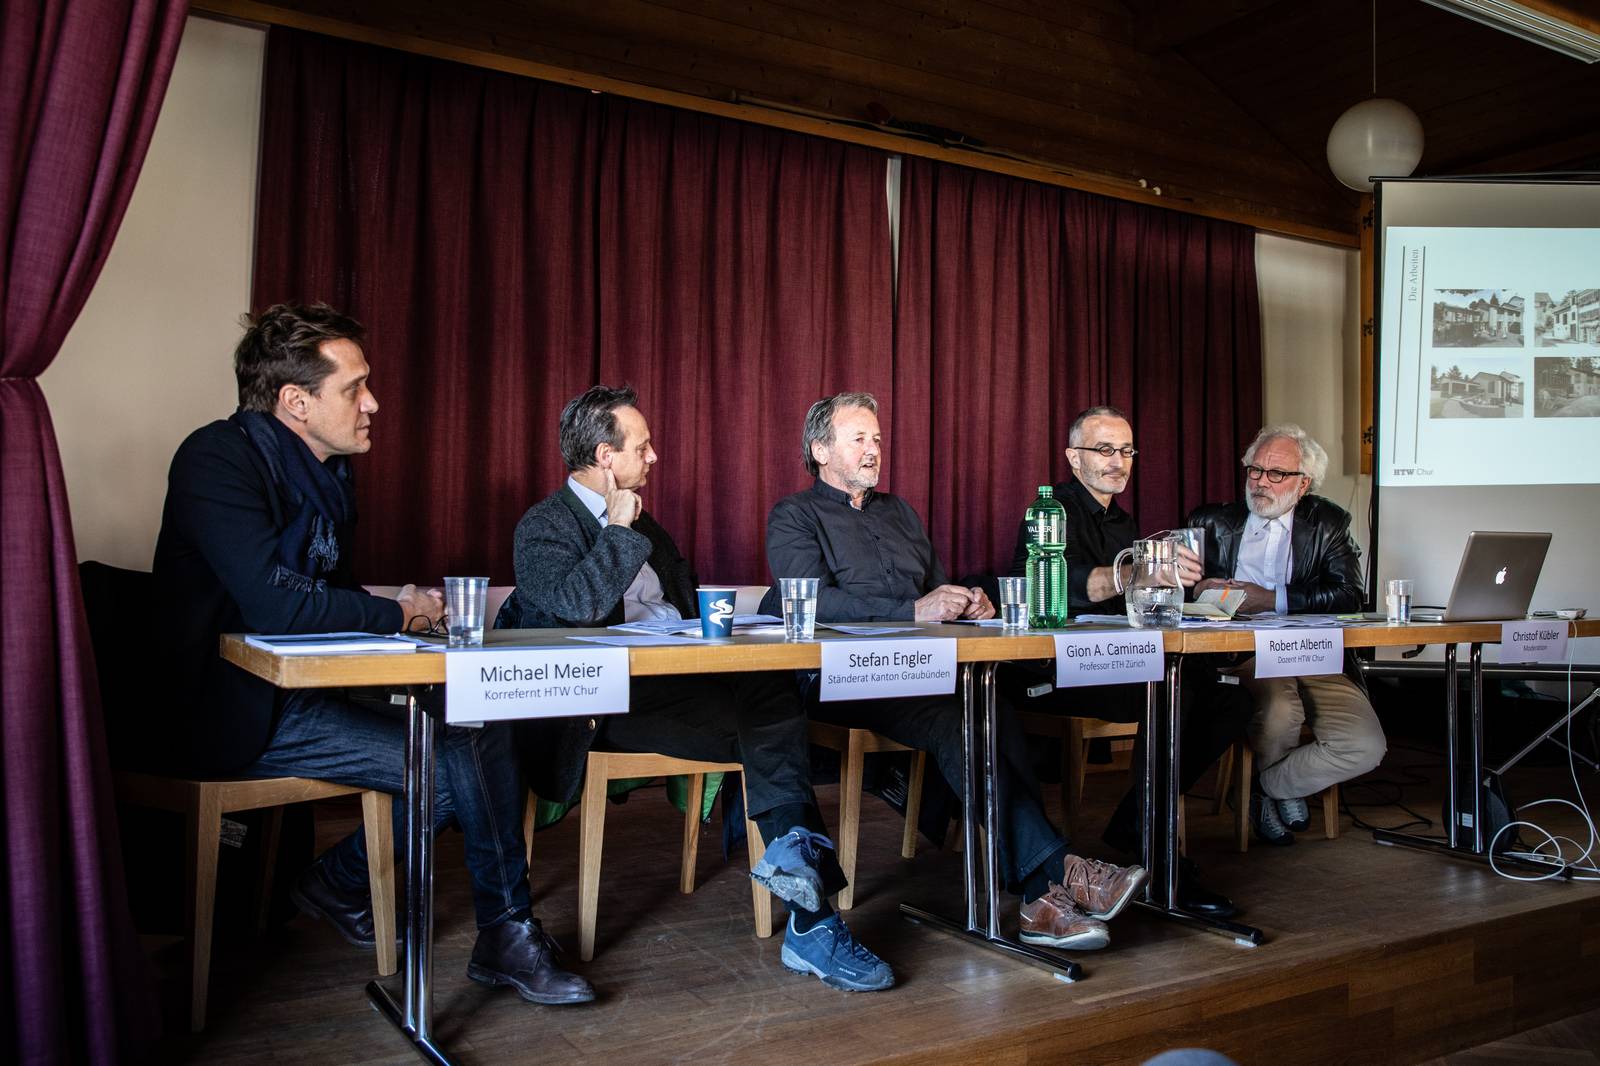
[330, 644]
[1215, 603]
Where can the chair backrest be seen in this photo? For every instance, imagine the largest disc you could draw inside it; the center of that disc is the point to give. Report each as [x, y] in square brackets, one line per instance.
[117, 603]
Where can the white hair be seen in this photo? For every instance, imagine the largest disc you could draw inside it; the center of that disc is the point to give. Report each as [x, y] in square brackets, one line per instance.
[1313, 460]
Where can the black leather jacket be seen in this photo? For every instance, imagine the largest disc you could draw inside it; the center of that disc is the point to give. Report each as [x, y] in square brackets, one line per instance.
[1324, 563]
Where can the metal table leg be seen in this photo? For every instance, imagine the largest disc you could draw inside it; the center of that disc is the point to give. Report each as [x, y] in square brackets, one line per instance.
[1454, 843]
[1163, 736]
[988, 935]
[414, 1017]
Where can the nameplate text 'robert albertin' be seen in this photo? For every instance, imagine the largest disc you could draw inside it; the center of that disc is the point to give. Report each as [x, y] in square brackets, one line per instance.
[496, 684]
[884, 669]
[1533, 641]
[1299, 652]
[1110, 658]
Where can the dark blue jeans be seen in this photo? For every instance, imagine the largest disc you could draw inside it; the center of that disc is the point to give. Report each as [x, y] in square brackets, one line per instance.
[933, 724]
[326, 734]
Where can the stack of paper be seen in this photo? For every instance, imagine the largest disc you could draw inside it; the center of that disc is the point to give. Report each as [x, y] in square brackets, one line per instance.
[329, 643]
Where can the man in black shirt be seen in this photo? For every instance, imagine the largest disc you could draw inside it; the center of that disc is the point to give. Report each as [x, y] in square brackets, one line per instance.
[875, 563]
[1100, 451]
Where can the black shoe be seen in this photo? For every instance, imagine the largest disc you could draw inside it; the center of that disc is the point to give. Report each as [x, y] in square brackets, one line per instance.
[521, 954]
[1196, 898]
[350, 914]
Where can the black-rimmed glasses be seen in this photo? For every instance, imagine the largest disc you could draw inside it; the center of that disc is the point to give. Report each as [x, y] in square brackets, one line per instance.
[1256, 473]
[1106, 451]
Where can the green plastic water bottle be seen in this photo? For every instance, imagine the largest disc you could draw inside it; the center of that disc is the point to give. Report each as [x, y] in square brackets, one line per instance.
[1047, 561]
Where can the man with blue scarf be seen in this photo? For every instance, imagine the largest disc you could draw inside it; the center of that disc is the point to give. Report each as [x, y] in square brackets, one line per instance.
[255, 537]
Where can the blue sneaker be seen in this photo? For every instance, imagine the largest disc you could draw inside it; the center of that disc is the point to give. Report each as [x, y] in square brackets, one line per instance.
[788, 868]
[829, 950]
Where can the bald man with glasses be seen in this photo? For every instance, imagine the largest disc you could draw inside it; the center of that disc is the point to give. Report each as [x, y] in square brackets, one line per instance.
[1291, 552]
[1101, 453]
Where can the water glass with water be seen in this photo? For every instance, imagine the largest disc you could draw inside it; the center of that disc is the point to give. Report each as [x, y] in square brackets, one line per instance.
[799, 607]
[1397, 600]
[1014, 602]
[465, 599]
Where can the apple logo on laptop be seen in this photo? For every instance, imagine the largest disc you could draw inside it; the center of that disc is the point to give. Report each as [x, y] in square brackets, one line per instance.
[1500, 578]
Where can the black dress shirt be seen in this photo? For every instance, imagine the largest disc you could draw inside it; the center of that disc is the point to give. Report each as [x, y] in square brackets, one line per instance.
[874, 563]
[1095, 535]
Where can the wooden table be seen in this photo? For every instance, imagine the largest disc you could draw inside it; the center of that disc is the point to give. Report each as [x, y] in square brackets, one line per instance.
[977, 648]
[979, 652]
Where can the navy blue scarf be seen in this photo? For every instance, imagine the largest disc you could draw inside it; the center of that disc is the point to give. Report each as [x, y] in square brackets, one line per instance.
[321, 501]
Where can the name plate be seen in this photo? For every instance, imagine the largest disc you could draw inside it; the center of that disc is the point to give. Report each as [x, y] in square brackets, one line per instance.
[1299, 652]
[1111, 658]
[883, 669]
[1533, 642]
[497, 684]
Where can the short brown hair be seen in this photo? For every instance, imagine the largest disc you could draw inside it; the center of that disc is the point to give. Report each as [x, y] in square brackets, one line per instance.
[283, 346]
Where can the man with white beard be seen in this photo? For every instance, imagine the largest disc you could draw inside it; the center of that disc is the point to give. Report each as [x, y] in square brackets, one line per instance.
[1291, 552]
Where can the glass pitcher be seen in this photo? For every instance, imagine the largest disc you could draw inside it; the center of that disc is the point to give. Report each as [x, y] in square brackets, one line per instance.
[1154, 593]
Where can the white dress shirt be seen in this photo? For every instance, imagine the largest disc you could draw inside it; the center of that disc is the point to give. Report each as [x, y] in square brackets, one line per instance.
[1263, 557]
[644, 598]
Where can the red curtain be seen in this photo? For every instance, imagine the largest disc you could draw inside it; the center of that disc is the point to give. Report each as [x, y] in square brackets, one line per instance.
[509, 242]
[1019, 305]
[80, 87]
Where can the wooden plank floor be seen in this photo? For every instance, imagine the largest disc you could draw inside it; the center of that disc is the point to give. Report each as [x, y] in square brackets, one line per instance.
[1374, 955]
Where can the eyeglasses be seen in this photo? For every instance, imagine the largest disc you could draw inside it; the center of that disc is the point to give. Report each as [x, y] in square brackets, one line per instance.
[1256, 473]
[441, 628]
[1106, 451]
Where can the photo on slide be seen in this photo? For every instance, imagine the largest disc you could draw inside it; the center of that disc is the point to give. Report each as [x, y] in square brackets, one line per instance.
[1567, 319]
[1474, 388]
[1477, 318]
[1566, 386]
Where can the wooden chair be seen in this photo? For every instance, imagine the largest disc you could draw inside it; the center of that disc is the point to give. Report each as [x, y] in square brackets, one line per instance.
[204, 802]
[1235, 771]
[607, 766]
[854, 745]
[1075, 734]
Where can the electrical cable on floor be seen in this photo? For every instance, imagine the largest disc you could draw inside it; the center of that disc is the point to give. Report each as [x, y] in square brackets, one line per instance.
[1390, 794]
[1562, 867]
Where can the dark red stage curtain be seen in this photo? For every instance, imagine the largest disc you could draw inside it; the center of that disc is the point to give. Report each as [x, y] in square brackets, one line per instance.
[80, 87]
[1019, 305]
[509, 242]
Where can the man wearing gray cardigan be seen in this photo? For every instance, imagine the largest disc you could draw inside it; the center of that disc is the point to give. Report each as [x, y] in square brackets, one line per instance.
[591, 555]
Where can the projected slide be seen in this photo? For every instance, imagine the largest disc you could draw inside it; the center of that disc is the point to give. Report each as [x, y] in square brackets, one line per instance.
[1491, 357]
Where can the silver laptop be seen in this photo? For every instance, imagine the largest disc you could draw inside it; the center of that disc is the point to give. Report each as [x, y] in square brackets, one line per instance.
[1495, 581]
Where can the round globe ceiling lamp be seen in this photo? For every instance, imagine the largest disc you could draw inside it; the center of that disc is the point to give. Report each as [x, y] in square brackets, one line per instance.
[1377, 138]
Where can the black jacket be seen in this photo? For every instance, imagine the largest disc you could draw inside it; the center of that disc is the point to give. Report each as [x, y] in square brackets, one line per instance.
[214, 555]
[572, 571]
[1324, 563]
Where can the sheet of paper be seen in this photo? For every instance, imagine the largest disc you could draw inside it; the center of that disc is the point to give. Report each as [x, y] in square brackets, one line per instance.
[641, 640]
[865, 630]
[330, 643]
[691, 625]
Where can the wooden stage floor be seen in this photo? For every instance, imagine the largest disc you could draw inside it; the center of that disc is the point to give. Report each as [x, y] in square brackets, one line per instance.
[1374, 955]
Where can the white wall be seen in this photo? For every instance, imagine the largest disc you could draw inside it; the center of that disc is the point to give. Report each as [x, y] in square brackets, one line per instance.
[1311, 357]
[149, 360]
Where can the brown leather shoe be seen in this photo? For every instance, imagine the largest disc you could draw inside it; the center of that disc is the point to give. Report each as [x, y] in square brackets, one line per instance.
[1053, 920]
[1100, 889]
[522, 955]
